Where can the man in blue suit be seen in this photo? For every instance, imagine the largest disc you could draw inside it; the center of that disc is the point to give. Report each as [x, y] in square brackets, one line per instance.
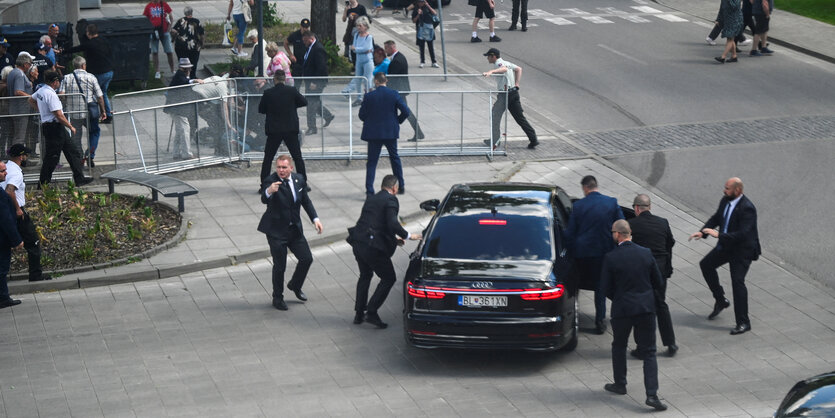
[589, 239]
[382, 112]
[9, 238]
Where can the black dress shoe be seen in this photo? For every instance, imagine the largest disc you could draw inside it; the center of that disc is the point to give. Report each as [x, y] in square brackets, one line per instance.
[654, 402]
[741, 328]
[9, 302]
[84, 181]
[328, 121]
[637, 354]
[374, 319]
[734, 59]
[279, 304]
[311, 131]
[41, 278]
[524, 28]
[718, 307]
[358, 318]
[719, 60]
[512, 27]
[672, 349]
[600, 327]
[299, 294]
[401, 190]
[533, 145]
[615, 388]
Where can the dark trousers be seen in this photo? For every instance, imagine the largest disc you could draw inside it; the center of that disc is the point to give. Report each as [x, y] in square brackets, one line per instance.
[413, 120]
[5, 263]
[514, 106]
[662, 313]
[514, 14]
[56, 140]
[273, 142]
[431, 45]
[739, 268]
[372, 261]
[297, 244]
[315, 108]
[374, 148]
[192, 56]
[589, 272]
[31, 243]
[645, 336]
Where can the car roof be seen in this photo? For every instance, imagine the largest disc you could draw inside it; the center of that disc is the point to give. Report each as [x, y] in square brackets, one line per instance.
[505, 197]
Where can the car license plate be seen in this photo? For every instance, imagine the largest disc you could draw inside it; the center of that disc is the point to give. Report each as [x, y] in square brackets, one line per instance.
[478, 301]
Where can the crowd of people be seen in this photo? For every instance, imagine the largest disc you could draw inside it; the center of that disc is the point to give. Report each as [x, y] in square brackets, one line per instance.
[733, 17]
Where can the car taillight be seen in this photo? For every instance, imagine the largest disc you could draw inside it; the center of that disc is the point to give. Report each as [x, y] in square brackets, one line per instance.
[492, 222]
[426, 292]
[544, 294]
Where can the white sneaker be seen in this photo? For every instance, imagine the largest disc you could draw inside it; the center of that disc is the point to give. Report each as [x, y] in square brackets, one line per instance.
[157, 75]
[242, 54]
[422, 65]
[710, 41]
[435, 65]
[747, 41]
[234, 51]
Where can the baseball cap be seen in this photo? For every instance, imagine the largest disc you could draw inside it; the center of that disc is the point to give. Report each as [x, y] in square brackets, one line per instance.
[493, 51]
[40, 46]
[305, 23]
[18, 150]
[4, 42]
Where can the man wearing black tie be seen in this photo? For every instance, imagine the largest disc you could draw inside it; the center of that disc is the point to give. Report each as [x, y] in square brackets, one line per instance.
[315, 65]
[285, 193]
[735, 226]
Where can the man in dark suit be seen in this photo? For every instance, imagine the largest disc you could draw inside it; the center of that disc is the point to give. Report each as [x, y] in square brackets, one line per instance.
[374, 239]
[400, 67]
[589, 240]
[653, 232]
[315, 65]
[285, 194]
[9, 238]
[382, 112]
[280, 104]
[735, 226]
[630, 278]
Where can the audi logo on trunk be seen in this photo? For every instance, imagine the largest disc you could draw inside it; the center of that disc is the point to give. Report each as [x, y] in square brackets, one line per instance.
[482, 285]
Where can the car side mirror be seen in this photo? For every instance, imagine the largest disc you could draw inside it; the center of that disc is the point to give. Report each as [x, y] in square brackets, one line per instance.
[430, 205]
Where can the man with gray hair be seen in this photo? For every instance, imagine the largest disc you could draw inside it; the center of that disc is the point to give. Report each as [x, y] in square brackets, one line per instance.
[80, 108]
[20, 86]
[654, 232]
[188, 34]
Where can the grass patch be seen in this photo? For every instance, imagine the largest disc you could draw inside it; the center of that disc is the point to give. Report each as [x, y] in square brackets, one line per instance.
[822, 10]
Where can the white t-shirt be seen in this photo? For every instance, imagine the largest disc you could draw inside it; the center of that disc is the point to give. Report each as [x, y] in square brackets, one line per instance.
[236, 7]
[48, 102]
[14, 176]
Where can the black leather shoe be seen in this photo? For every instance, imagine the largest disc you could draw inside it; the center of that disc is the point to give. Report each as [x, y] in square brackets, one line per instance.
[299, 294]
[328, 121]
[600, 327]
[9, 302]
[740, 329]
[311, 131]
[401, 190]
[358, 318]
[512, 27]
[84, 181]
[719, 60]
[41, 278]
[374, 319]
[533, 145]
[524, 28]
[615, 388]
[637, 354]
[672, 349]
[718, 307]
[654, 402]
[279, 304]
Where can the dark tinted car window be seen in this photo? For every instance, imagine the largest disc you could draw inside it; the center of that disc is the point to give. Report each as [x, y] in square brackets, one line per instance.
[464, 237]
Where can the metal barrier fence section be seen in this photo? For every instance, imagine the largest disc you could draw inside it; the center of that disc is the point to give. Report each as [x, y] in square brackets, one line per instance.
[20, 124]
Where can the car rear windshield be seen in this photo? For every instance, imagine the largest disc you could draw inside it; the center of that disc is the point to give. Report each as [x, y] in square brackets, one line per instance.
[486, 236]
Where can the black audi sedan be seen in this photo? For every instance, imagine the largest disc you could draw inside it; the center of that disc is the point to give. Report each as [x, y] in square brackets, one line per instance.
[492, 271]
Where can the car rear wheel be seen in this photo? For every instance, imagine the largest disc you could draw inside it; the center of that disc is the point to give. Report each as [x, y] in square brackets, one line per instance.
[572, 343]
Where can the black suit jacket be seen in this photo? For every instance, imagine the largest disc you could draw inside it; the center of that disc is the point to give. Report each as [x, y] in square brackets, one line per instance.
[279, 103]
[399, 66]
[742, 239]
[282, 212]
[9, 235]
[630, 278]
[654, 232]
[316, 65]
[378, 224]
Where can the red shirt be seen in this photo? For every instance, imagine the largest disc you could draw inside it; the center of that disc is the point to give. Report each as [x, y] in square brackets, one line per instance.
[155, 12]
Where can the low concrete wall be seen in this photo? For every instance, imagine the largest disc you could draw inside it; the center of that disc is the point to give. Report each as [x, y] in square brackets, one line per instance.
[38, 11]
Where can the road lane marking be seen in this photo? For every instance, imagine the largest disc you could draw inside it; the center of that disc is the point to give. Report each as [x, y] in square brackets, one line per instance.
[646, 9]
[616, 52]
[671, 18]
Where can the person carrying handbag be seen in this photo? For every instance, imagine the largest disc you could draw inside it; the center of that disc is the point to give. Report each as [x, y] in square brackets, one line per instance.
[89, 107]
[242, 13]
[424, 17]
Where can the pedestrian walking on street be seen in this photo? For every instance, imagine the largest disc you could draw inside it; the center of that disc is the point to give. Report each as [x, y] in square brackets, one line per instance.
[363, 46]
[15, 187]
[55, 137]
[630, 278]
[315, 70]
[188, 38]
[399, 69]
[508, 98]
[161, 16]
[83, 83]
[382, 112]
[241, 12]
[761, 13]
[731, 27]
[280, 104]
[485, 8]
[589, 238]
[516, 13]
[9, 239]
[653, 232]
[734, 225]
[99, 62]
[285, 194]
[423, 15]
[373, 239]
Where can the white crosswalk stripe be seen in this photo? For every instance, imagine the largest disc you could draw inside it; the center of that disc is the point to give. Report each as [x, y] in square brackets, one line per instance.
[671, 18]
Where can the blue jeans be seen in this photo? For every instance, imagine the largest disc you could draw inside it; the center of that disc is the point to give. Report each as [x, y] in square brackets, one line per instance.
[363, 67]
[240, 21]
[5, 262]
[104, 82]
[374, 148]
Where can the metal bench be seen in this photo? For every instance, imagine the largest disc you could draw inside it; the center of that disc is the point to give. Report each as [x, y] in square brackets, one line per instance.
[168, 186]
